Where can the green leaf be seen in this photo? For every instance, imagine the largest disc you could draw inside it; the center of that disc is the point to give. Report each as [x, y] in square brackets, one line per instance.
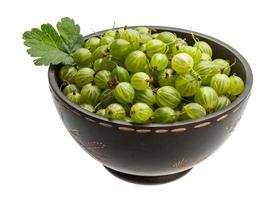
[70, 33]
[47, 46]
[51, 47]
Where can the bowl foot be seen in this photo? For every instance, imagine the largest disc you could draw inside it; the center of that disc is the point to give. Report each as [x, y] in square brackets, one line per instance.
[147, 180]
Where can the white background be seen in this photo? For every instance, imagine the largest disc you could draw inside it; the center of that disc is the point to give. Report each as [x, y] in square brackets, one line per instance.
[39, 159]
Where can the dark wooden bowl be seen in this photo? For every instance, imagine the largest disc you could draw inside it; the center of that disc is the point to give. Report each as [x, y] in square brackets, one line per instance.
[154, 153]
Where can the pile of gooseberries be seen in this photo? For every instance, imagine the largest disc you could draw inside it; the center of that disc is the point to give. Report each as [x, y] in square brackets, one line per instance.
[144, 76]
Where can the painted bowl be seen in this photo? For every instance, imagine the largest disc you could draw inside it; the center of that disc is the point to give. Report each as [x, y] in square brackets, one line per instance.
[154, 153]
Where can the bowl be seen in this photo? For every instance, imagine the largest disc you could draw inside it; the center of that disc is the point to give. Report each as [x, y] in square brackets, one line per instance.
[154, 153]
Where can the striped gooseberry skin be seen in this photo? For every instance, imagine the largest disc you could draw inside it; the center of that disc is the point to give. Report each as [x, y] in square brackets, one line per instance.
[90, 94]
[103, 79]
[159, 61]
[206, 70]
[74, 97]
[204, 47]
[67, 73]
[141, 113]
[222, 66]
[193, 111]
[168, 96]
[220, 83]
[70, 88]
[120, 48]
[100, 52]
[120, 74]
[167, 37]
[167, 77]
[140, 81]
[207, 97]
[194, 52]
[115, 111]
[136, 61]
[107, 97]
[182, 63]
[155, 46]
[145, 96]
[124, 93]
[187, 84]
[130, 35]
[222, 103]
[83, 76]
[236, 85]
[164, 115]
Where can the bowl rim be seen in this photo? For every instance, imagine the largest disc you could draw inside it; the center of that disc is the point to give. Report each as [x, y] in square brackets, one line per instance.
[245, 94]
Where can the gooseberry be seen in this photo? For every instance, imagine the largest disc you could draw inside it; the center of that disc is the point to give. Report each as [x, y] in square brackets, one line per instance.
[168, 96]
[124, 93]
[140, 113]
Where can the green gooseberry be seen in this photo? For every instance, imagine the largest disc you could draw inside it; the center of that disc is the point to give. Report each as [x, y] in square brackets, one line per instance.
[222, 66]
[87, 107]
[103, 79]
[145, 96]
[194, 52]
[167, 37]
[105, 63]
[206, 70]
[74, 97]
[115, 111]
[207, 97]
[236, 85]
[193, 111]
[107, 97]
[140, 81]
[222, 103]
[142, 30]
[167, 77]
[124, 93]
[164, 115]
[101, 112]
[132, 36]
[110, 33]
[82, 57]
[205, 57]
[155, 46]
[140, 113]
[92, 43]
[204, 47]
[187, 84]
[70, 88]
[83, 76]
[106, 40]
[159, 61]
[66, 73]
[182, 63]
[135, 61]
[220, 83]
[168, 96]
[120, 74]
[100, 52]
[120, 48]
[90, 94]
[144, 38]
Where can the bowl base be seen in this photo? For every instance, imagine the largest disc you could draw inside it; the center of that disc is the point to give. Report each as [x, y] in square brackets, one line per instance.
[147, 180]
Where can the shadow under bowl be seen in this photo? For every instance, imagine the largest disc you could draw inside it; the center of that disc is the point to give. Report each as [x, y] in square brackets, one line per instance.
[154, 153]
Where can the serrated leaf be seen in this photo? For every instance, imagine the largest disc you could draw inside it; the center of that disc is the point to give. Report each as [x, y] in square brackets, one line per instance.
[46, 45]
[70, 33]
